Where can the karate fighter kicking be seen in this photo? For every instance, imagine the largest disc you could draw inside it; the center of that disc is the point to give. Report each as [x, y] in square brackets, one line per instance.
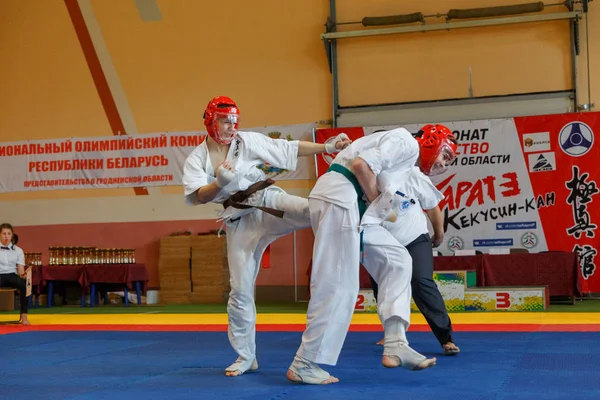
[223, 170]
[339, 214]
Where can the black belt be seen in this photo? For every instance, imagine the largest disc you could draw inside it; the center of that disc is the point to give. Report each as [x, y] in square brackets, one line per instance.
[236, 200]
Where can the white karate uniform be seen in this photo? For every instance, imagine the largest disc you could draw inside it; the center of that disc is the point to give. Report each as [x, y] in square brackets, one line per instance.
[249, 231]
[335, 221]
[385, 255]
[411, 221]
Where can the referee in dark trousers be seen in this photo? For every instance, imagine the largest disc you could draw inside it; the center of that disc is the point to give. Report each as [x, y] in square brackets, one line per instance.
[12, 268]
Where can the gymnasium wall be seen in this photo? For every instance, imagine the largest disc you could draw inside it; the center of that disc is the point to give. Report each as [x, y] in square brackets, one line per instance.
[159, 62]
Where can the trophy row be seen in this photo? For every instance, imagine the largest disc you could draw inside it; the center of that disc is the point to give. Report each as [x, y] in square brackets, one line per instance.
[33, 258]
[90, 255]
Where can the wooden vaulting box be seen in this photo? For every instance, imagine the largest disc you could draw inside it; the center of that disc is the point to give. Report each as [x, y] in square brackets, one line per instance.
[193, 269]
[7, 299]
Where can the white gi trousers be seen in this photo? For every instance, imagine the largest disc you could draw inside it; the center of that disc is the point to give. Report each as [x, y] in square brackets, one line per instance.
[390, 264]
[247, 239]
[334, 280]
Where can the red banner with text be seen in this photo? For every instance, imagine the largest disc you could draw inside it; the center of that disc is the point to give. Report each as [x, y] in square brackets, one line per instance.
[526, 182]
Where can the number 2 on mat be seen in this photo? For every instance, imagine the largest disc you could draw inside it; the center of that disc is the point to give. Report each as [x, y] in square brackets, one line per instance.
[360, 302]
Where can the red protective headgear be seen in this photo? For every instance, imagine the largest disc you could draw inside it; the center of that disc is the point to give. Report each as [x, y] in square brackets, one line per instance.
[221, 107]
[438, 148]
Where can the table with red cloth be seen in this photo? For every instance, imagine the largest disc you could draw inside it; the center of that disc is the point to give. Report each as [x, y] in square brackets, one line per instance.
[115, 274]
[85, 275]
[558, 270]
[36, 279]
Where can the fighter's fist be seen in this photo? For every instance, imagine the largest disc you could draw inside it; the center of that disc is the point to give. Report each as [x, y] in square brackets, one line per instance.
[391, 217]
[437, 239]
[337, 143]
[225, 174]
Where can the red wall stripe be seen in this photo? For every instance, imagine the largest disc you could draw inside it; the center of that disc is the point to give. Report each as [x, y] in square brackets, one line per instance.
[93, 62]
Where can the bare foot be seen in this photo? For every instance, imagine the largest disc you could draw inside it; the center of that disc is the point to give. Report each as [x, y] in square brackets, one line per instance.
[294, 377]
[430, 362]
[394, 361]
[450, 349]
[381, 342]
[239, 367]
[24, 320]
[390, 361]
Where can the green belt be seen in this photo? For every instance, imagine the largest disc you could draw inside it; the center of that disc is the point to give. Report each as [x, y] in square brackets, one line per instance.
[362, 204]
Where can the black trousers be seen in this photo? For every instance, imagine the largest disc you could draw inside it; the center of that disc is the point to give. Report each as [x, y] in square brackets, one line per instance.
[16, 282]
[425, 292]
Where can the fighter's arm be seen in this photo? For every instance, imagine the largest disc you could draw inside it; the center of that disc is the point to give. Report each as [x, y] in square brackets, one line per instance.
[282, 153]
[371, 162]
[366, 178]
[437, 222]
[207, 192]
[198, 187]
[340, 142]
[310, 148]
[429, 198]
[20, 262]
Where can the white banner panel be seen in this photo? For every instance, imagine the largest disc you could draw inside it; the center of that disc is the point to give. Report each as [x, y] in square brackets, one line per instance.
[120, 161]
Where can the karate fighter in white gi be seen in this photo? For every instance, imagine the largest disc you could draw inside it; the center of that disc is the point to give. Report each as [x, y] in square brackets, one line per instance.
[415, 193]
[338, 215]
[223, 170]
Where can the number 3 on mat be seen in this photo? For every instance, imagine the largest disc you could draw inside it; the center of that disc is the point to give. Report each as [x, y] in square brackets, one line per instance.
[502, 300]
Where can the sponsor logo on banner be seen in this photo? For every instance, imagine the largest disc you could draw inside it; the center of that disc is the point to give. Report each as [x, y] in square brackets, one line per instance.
[576, 138]
[542, 162]
[500, 226]
[533, 142]
[529, 240]
[455, 243]
[492, 242]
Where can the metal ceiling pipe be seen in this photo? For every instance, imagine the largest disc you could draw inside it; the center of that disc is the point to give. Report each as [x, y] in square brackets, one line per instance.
[452, 25]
